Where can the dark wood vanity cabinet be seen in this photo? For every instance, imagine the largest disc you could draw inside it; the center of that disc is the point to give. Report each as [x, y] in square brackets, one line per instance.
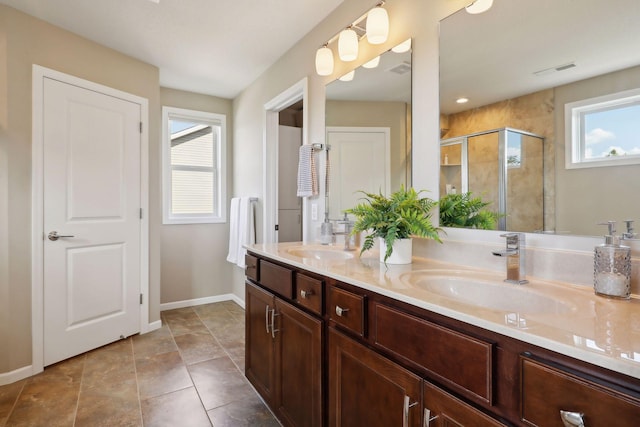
[284, 349]
[367, 389]
[358, 358]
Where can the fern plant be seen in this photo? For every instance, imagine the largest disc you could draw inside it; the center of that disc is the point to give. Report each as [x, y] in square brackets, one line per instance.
[399, 216]
[466, 211]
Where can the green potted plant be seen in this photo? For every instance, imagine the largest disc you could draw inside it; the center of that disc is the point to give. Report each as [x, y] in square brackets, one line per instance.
[394, 220]
[466, 211]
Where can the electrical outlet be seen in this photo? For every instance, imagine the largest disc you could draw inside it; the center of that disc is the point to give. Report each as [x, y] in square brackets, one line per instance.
[314, 211]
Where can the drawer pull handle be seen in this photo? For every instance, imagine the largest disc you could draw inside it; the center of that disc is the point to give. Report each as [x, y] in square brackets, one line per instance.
[571, 419]
[305, 294]
[407, 405]
[428, 418]
[341, 311]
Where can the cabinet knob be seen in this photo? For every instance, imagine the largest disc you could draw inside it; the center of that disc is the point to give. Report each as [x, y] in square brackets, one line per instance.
[305, 294]
[571, 419]
[341, 311]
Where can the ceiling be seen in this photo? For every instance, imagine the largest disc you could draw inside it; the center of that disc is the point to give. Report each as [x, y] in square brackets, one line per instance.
[204, 46]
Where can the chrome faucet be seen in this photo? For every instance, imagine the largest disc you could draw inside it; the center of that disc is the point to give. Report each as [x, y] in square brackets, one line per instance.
[350, 241]
[630, 234]
[516, 267]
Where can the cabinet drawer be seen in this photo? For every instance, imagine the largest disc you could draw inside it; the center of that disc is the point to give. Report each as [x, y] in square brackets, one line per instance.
[276, 278]
[547, 390]
[451, 411]
[347, 309]
[251, 269]
[460, 361]
[309, 293]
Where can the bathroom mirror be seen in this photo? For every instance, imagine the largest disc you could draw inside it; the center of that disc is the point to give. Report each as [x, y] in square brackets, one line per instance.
[368, 126]
[519, 65]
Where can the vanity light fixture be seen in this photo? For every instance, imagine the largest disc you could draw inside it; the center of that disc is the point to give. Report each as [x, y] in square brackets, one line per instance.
[462, 100]
[373, 63]
[348, 77]
[479, 6]
[402, 47]
[377, 25]
[348, 45]
[324, 61]
[376, 31]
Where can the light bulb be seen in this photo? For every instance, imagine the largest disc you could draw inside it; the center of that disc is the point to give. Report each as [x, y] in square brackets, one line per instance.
[377, 25]
[479, 6]
[324, 61]
[348, 77]
[402, 47]
[373, 63]
[348, 45]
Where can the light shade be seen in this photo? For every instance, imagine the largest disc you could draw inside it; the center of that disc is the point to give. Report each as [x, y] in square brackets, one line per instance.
[324, 61]
[402, 47]
[348, 45]
[348, 77]
[377, 25]
[479, 6]
[373, 63]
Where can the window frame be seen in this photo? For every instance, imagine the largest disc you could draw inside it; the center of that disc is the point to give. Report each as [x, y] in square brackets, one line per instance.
[574, 129]
[219, 190]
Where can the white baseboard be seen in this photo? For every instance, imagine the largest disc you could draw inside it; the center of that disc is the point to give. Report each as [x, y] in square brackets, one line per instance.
[154, 325]
[201, 301]
[16, 375]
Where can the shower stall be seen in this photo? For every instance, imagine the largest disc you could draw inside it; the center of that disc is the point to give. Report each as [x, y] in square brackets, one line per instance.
[504, 167]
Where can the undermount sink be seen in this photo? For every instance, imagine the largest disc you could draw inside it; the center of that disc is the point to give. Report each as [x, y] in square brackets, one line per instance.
[320, 253]
[484, 290]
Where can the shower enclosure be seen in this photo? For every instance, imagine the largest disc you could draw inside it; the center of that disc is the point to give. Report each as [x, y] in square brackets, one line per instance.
[502, 166]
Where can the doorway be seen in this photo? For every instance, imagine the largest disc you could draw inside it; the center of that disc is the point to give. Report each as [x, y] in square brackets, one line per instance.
[90, 226]
[289, 204]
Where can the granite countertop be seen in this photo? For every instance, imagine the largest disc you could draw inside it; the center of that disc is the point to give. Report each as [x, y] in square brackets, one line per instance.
[566, 318]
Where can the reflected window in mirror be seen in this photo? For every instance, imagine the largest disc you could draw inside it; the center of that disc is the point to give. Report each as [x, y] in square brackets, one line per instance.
[368, 126]
[603, 131]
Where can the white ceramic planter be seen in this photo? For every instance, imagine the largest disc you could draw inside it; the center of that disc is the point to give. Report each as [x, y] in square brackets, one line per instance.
[402, 251]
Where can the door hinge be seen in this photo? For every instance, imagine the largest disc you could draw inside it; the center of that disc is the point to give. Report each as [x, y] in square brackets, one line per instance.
[140, 213]
[140, 127]
[140, 299]
[277, 228]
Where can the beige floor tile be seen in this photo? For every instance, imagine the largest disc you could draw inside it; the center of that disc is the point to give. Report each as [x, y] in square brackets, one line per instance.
[160, 374]
[219, 382]
[180, 408]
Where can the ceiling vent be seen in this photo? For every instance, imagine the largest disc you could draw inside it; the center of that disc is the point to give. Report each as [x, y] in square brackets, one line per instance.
[555, 69]
[402, 68]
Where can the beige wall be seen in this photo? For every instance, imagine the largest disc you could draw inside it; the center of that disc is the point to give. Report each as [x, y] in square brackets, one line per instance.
[193, 256]
[408, 18]
[25, 41]
[587, 196]
[377, 114]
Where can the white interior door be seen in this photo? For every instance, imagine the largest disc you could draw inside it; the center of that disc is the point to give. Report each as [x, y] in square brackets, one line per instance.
[91, 151]
[289, 205]
[360, 161]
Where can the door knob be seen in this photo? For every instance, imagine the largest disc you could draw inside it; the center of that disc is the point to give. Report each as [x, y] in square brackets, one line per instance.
[53, 236]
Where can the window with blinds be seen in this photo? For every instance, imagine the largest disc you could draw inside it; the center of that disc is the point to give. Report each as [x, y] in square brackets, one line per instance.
[193, 151]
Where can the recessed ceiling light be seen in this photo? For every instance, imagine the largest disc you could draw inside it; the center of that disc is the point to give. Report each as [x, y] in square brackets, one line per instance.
[462, 100]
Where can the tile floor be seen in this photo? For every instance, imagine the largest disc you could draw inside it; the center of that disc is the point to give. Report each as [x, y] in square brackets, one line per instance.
[190, 372]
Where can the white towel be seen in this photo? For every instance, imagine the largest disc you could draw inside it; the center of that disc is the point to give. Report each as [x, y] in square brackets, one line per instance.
[241, 229]
[307, 174]
[234, 218]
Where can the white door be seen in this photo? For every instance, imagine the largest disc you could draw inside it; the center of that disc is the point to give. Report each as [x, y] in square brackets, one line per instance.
[359, 162]
[92, 144]
[289, 205]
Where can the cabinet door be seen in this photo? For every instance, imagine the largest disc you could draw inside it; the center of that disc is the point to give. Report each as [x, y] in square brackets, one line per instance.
[298, 366]
[260, 348]
[444, 410]
[366, 389]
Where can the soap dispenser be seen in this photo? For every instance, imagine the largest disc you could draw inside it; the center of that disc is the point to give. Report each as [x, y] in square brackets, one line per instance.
[612, 266]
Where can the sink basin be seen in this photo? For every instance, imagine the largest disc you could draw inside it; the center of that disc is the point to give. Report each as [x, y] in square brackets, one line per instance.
[322, 254]
[485, 290]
